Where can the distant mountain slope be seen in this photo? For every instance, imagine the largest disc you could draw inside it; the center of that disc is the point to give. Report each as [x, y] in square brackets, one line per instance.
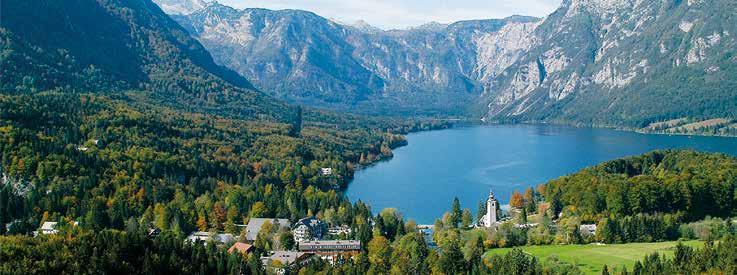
[106, 45]
[309, 59]
[624, 63]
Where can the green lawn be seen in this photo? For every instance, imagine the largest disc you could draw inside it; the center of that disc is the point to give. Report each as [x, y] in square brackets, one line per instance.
[591, 258]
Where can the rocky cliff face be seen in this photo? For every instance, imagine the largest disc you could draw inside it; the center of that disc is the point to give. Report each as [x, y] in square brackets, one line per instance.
[617, 62]
[305, 58]
[623, 62]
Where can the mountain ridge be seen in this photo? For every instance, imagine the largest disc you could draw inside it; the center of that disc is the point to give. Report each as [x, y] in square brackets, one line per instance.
[622, 63]
[308, 59]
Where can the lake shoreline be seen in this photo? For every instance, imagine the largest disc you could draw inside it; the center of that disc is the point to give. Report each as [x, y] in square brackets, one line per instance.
[617, 128]
[470, 159]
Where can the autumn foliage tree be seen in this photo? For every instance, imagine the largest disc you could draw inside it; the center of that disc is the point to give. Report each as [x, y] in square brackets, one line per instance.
[516, 200]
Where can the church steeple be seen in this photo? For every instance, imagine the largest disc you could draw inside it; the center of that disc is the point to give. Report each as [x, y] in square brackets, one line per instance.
[491, 207]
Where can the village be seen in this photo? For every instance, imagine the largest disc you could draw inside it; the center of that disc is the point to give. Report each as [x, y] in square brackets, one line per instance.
[283, 244]
[311, 239]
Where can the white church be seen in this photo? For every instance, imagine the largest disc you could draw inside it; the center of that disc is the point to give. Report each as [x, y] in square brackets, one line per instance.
[490, 219]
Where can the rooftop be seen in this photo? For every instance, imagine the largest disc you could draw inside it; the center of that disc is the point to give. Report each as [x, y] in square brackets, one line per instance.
[48, 225]
[285, 257]
[240, 247]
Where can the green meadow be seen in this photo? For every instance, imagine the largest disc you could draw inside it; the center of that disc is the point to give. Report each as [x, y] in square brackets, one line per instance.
[591, 258]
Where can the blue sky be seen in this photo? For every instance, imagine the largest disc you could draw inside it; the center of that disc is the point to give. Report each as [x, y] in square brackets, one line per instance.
[388, 14]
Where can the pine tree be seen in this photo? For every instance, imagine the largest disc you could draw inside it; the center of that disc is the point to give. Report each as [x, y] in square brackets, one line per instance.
[455, 213]
[523, 216]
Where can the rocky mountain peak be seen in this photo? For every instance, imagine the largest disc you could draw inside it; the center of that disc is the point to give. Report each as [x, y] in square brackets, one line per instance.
[182, 7]
[364, 26]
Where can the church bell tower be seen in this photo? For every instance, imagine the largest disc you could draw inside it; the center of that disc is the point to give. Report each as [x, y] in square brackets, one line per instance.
[491, 208]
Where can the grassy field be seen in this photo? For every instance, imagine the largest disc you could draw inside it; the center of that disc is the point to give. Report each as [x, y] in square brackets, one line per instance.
[591, 258]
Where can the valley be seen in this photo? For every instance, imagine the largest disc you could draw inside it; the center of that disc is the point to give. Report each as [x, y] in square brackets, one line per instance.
[193, 137]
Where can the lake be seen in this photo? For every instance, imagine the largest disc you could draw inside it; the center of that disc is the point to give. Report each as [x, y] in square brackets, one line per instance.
[424, 176]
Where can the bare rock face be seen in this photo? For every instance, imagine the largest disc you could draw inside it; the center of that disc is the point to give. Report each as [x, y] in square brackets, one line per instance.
[622, 62]
[308, 59]
[612, 62]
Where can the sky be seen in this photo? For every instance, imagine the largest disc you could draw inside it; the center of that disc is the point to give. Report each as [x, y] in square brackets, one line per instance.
[399, 14]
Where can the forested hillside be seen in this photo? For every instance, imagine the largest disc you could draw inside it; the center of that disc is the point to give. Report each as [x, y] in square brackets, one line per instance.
[110, 113]
[692, 184]
[91, 45]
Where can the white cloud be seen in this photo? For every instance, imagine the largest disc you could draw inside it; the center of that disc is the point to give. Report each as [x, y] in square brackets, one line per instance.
[406, 13]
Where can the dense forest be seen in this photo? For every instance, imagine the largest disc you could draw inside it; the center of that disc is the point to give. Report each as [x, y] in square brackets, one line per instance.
[688, 183]
[104, 160]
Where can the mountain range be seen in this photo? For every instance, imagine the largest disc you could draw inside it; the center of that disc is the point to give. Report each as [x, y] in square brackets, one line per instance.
[595, 62]
[309, 59]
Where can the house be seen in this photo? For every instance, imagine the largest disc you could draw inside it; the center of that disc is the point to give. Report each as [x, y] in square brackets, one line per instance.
[48, 228]
[337, 230]
[255, 224]
[326, 171]
[205, 237]
[308, 229]
[332, 250]
[243, 248]
[278, 261]
[587, 229]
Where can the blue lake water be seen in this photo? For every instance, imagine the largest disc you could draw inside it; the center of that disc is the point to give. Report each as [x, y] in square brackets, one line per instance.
[424, 176]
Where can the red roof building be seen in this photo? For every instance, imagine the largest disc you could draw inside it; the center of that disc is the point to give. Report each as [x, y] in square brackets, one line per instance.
[243, 248]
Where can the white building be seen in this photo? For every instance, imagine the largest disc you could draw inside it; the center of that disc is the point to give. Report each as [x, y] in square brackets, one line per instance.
[308, 229]
[48, 228]
[587, 229]
[326, 171]
[490, 219]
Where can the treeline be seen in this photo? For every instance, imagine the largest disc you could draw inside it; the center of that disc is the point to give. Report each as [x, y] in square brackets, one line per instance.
[116, 252]
[691, 184]
[713, 258]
